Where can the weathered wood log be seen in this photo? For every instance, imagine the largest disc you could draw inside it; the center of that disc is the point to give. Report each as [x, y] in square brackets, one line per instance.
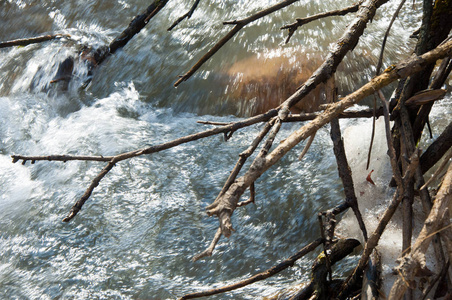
[92, 57]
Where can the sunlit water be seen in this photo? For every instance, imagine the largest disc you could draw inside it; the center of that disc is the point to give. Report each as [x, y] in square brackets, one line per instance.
[135, 236]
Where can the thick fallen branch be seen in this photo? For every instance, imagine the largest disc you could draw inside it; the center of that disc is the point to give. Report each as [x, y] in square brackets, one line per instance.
[135, 26]
[289, 262]
[321, 266]
[33, 40]
[319, 286]
[300, 22]
[346, 43]
[92, 57]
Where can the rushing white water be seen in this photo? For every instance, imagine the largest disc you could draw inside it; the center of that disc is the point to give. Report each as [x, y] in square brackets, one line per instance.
[135, 236]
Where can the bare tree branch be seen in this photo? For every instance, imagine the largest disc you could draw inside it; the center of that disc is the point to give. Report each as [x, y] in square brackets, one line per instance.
[239, 24]
[63, 158]
[372, 242]
[289, 262]
[209, 250]
[33, 40]
[345, 173]
[225, 205]
[307, 146]
[415, 260]
[153, 149]
[383, 44]
[185, 16]
[300, 22]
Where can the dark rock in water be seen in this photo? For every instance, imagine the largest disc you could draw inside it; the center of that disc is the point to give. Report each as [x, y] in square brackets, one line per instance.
[64, 73]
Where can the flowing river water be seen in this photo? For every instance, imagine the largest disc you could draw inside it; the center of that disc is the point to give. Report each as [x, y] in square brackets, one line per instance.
[135, 236]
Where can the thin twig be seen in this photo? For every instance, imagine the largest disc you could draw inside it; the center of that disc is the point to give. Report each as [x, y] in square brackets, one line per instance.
[372, 135]
[187, 15]
[308, 145]
[438, 171]
[78, 205]
[213, 123]
[33, 40]
[383, 44]
[63, 158]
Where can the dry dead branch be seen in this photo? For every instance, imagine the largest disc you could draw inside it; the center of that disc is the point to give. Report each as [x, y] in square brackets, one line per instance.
[414, 261]
[225, 205]
[289, 262]
[185, 16]
[33, 40]
[238, 25]
[302, 21]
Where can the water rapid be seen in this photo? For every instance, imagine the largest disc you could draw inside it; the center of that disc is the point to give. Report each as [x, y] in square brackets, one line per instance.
[136, 234]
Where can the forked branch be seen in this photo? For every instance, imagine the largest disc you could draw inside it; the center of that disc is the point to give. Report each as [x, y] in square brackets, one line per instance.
[239, 24]
[225, 206]
[185, 16]
[302, 21]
